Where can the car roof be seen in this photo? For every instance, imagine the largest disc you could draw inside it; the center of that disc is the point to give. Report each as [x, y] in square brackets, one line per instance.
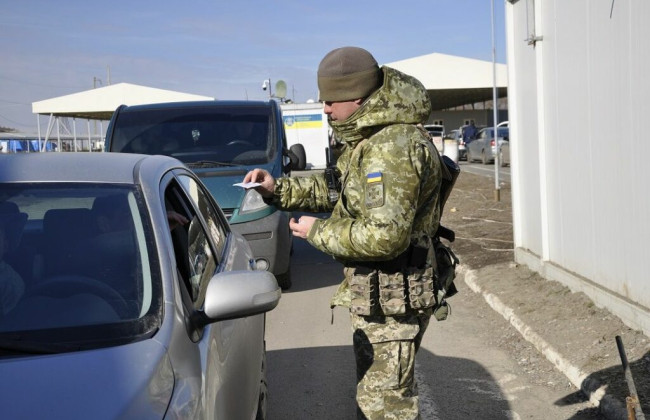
[198, 104]
[97, 167]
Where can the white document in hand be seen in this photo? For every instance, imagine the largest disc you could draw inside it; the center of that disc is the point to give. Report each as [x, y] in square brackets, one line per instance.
[247, 185]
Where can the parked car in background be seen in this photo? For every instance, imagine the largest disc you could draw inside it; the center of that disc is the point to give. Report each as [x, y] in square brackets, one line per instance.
[504, 146]
[458, 137]
[124, 310]
[483, 146]
[504, 153]
[437, 133]
[221, 141]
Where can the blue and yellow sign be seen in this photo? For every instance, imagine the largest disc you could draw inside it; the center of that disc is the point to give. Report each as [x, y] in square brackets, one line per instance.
[303, 121]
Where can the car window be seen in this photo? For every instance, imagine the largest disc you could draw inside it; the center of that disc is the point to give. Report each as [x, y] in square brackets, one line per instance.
[216, 221]
[196, 261]
[230, 135]
[75, 255]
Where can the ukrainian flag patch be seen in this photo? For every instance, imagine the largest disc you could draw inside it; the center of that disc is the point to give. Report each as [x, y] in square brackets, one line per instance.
[373, 177]
[374, 190]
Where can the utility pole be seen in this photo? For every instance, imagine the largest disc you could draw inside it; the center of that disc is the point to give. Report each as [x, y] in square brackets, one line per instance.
[497, 187]
[95, 80]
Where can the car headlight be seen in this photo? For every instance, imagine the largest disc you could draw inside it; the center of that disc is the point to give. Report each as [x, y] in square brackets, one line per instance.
[252, 202]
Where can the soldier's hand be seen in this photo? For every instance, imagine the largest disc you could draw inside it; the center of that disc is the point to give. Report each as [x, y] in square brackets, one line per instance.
[301, 227]
[264, 178]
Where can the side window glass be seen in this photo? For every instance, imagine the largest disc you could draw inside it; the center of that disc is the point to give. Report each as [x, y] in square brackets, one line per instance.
[202, 262]
[195, 260]
[217, 226]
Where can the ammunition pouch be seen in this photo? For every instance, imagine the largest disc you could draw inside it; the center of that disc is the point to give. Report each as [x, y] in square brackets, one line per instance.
[364, 290]
[391, 287]
[405, 283]
[392, 296]
[422, 293]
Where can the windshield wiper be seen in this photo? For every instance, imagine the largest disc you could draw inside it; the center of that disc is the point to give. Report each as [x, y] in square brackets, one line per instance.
[34, 347]
[208, 164]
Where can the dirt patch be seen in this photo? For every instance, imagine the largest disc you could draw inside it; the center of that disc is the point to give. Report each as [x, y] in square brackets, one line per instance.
[570, 322]
[483, 225]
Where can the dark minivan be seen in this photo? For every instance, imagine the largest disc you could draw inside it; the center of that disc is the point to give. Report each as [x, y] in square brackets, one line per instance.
[221, 141]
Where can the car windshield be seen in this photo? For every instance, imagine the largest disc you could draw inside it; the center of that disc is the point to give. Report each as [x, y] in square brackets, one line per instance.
[74, 265]
[205, 136]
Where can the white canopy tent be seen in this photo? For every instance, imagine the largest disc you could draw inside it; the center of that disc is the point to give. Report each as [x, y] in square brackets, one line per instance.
[100, 103]
[454, 81]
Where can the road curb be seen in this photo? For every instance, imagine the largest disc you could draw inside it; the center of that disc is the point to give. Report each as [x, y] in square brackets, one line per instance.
[593, 389]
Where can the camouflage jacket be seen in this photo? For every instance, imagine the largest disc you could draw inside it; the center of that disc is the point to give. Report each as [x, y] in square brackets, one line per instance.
[390, 180]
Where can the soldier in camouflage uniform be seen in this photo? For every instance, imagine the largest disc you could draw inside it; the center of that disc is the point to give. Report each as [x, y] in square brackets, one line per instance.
[381, 223]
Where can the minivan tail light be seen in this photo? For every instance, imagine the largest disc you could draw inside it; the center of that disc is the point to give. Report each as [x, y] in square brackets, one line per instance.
[492, 143]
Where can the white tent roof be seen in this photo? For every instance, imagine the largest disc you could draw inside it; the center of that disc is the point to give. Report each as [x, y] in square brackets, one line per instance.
[452, 80]
[100, 103]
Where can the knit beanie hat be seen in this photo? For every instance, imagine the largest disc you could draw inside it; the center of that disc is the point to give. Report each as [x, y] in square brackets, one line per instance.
[348, 73]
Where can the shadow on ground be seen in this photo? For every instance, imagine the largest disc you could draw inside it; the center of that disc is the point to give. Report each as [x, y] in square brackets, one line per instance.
[464, 389]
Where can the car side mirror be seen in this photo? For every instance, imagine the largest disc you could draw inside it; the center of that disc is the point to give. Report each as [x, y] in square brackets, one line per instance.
[238, 294]
[289, 160]
[299, 159]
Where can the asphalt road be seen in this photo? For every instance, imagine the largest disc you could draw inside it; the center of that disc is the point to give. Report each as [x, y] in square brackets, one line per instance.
[462, 372]
[485, 170]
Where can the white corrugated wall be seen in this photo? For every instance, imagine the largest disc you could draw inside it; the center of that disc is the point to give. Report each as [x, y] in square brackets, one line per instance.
[579, 100]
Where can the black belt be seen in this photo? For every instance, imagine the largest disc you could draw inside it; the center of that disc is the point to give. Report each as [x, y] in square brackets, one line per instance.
[412, 257]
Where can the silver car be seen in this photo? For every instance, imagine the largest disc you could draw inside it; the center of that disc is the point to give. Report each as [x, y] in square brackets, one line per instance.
[504, 153]
[483, 146]
[125, 294]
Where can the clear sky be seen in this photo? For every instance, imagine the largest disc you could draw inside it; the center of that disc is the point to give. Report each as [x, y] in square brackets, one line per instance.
[218, 48]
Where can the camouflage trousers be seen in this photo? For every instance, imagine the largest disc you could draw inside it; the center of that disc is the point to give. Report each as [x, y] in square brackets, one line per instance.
[385, 349]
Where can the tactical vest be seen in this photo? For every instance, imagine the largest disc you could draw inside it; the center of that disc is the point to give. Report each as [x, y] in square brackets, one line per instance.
[418, 279]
